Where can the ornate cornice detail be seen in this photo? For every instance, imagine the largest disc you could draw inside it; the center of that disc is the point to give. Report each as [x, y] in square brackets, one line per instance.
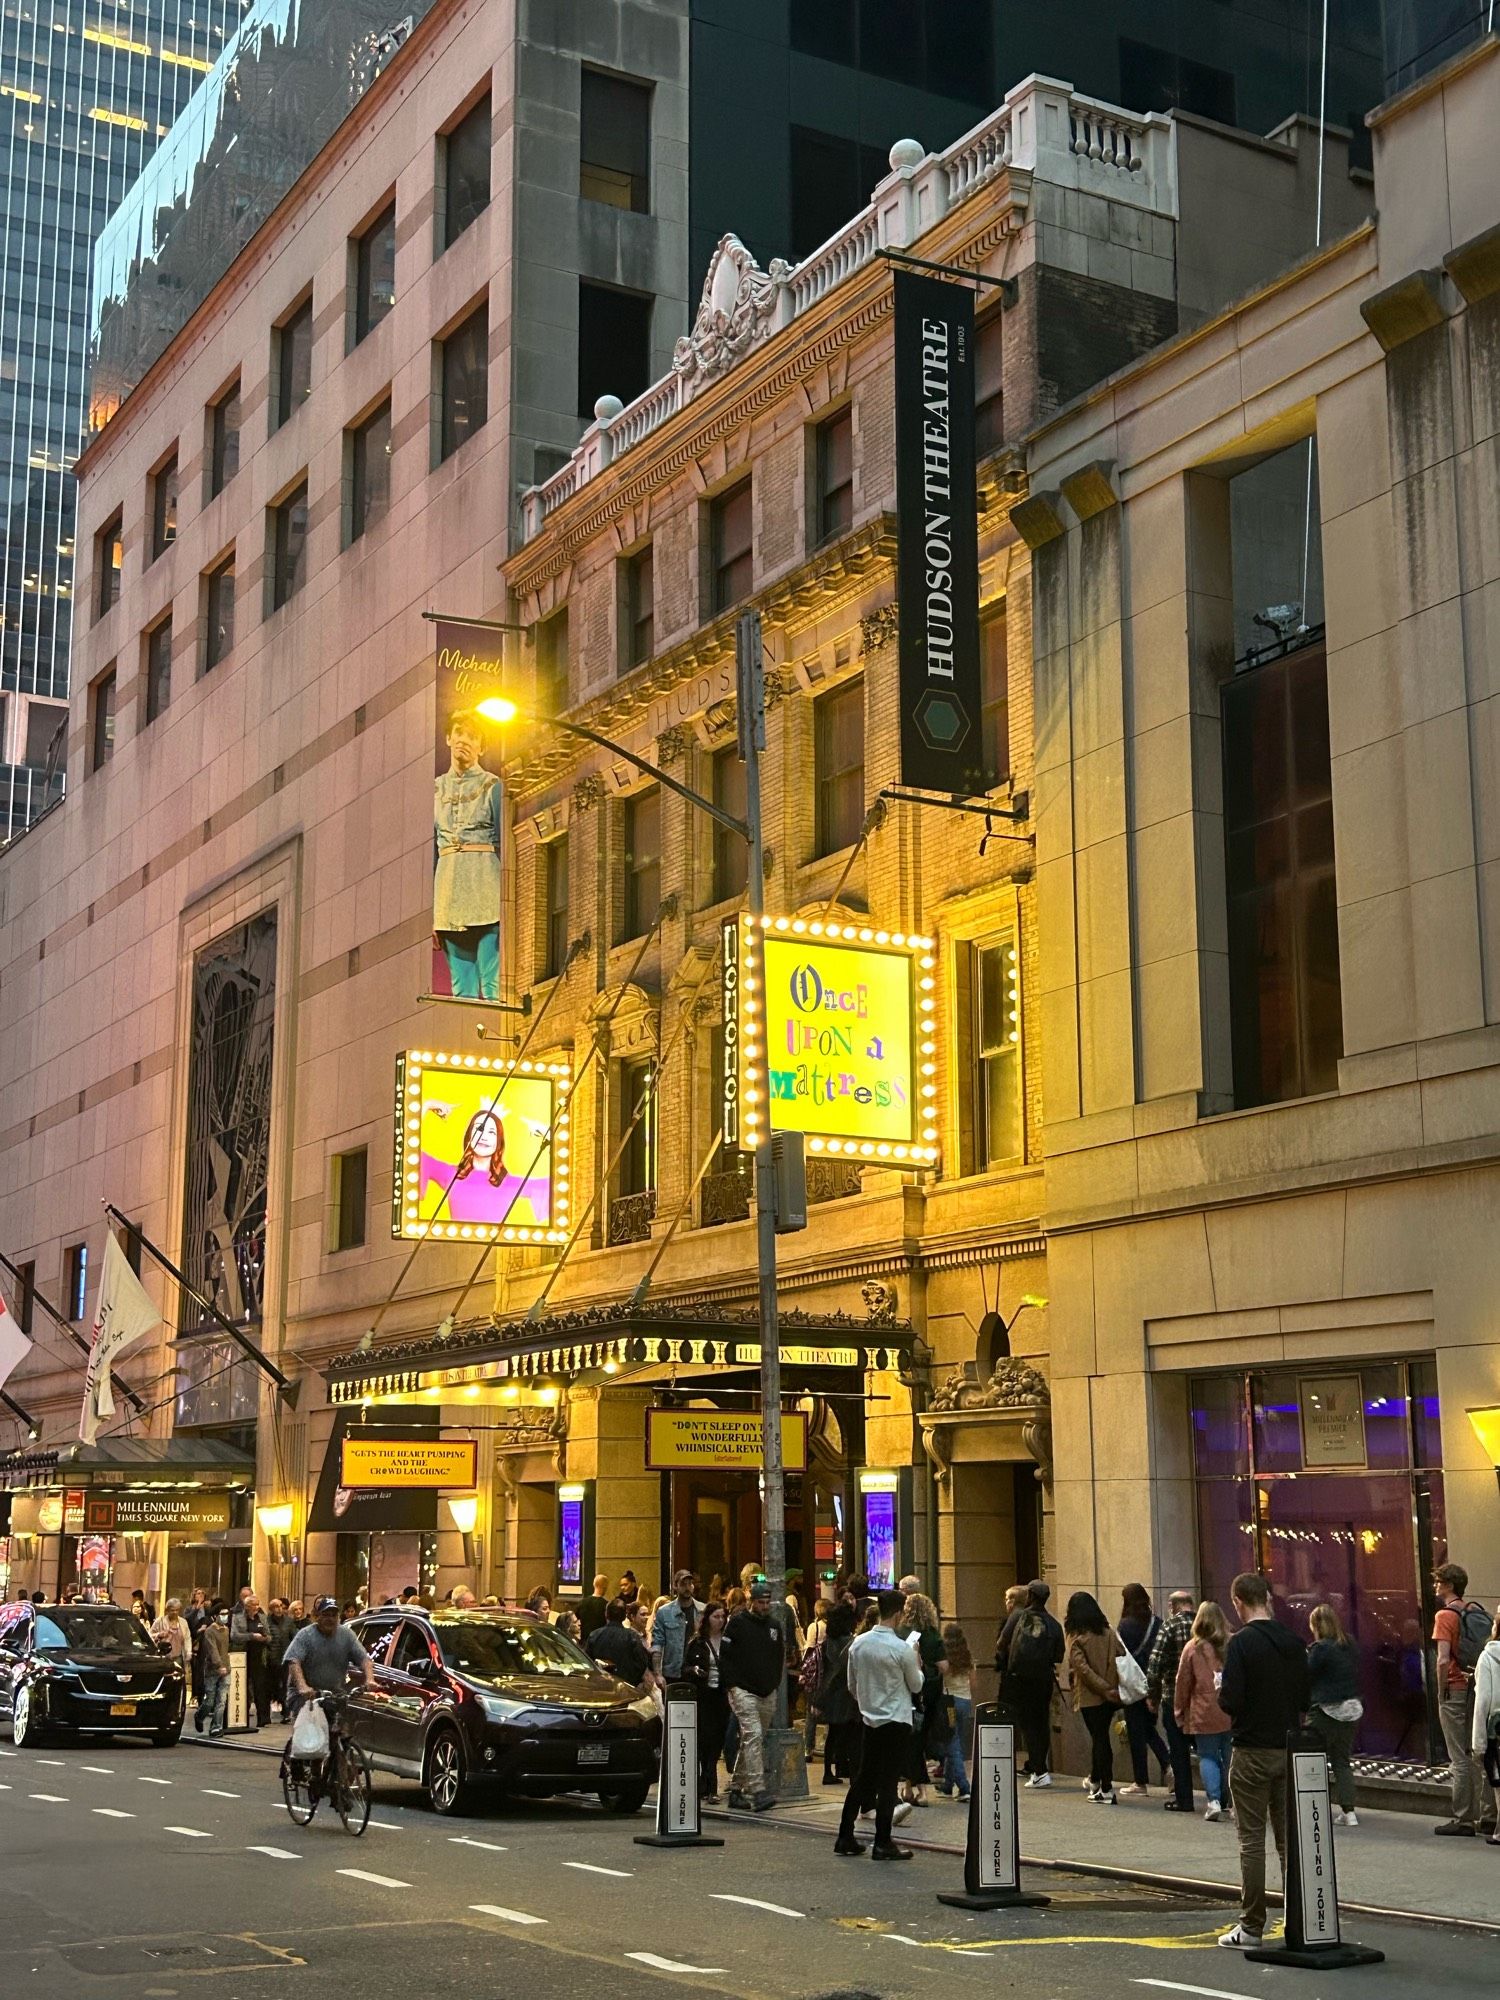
[672, 745]
[588, 793]
[738, 308]
[1014, 1385]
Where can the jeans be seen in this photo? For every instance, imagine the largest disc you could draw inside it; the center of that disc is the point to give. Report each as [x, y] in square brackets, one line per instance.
[1337, 1739]
[955, 1769]
[1142, 1733]
[1257, 1784]
[885, 1751]
[1032, 1702]
[1096, 1720]
[755, 1714]
[1180, 1751]
[1473, 1794]
[215, 1703]
[473, 961]
[1213, 1765]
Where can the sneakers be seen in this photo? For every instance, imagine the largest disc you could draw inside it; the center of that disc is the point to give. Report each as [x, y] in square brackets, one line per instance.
[1039, 1781]
[1457, 1826]
[1213, 1810]
[902, 1813]
[1239, 1939]
[1137, 1791]
[1103, 1799]
[1342, 1818]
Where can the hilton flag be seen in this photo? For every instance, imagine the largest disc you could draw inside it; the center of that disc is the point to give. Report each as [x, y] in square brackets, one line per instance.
[942, 741]
[125, 1315]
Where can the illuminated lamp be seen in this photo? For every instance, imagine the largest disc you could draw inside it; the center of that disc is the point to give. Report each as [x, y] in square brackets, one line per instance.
[464, 1509]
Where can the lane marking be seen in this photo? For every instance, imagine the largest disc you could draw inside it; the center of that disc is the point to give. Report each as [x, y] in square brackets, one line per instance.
[47, 1798]
[8, 1753]
[593, 1868]
[4, 1788]
[276, 1853]
[1174, 1986]
[900, 1937]
[56, 1763]
[673, 1965]
[209, 1792]
[111, 1812]
[387, 1825]
[152, 1781]
[99, 1770]
[380, 1881]
[505, 1916]
[490, 1846]
[755, 1903]
[191, 1832]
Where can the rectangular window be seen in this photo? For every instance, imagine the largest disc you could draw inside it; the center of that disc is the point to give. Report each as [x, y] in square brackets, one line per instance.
[640, 607]
[1285, 998]
[994, 699]
[102, 721]
[465, 165]
[349, 1179]
[218, 613]
[835, 475]
[730, 546]
[374, 273]
[164, 507]
[288, 539]
[25, 1297]
[109, 561]
[839, 767]
[158, 668]
[989, 384]
[614, 141]
[731, 852]
[46, 736]
[464, 381]
[75, 1280]
[369, 447]
[636, 1112]
[988, 994]
[224, 440]
[293, 358]
[552, 664]
[555, 912]
[641, 826]
[614, 344]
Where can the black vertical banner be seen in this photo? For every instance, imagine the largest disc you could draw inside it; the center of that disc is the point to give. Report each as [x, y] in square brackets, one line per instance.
[942, 740]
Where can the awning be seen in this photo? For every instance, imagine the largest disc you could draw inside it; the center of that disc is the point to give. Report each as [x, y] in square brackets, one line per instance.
[120, 1461]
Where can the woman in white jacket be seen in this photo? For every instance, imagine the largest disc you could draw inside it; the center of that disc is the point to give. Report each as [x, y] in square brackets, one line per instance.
[1486, 1738]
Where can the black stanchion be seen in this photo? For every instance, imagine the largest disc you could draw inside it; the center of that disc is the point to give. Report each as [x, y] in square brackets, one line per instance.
[1311, 1889]
[992, 1849]
[679, 1818]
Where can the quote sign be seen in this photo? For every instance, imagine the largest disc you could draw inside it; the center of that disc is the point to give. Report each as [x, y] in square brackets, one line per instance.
[720, 1437]
[409, 1462]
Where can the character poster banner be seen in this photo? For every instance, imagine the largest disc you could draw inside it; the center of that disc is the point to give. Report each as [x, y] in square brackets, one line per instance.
[468, 814]
[481, 1149]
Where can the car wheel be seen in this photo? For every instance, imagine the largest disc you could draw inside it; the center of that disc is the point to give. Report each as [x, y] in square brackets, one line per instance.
[447, 1774]
[624, 1802]
[165, 1738]
[25, 1730]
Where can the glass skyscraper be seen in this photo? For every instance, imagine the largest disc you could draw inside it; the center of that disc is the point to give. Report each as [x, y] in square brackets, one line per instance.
[88, 88]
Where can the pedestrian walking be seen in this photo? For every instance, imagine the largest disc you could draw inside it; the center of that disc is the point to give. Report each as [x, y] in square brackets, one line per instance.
[1196, 1707]
[1334, 1706]
[283, 1628]
[1485, 1739]
[1138, 1629]
[213, 1643]
[884, 1674]
[1095, 1681]
[676, 1621]
[1027, 1664]
[171, 1632]
[923, 1633]
[1172, 1636]
[834, 1701]
[1264, 1693]
[1460, 1632]
[958, 1692]
[757, 1657]
[250, 1635]
[810, 1677]
[703, 1665]
[1016, 1596]
[197, 1616]
[594, 1608]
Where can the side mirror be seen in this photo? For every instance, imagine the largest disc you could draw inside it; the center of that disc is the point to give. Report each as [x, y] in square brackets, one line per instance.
[164, 1646]
[427, 1670]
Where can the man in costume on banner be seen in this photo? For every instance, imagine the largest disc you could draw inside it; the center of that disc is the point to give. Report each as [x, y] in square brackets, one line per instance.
[466, 879]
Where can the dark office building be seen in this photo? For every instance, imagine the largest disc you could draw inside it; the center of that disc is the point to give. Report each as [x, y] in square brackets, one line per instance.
[1420, 34]
[796, 103]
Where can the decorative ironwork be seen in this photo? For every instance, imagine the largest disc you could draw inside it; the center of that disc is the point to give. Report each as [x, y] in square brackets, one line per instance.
[630, 1217]
[723, 1198]
[216, 1385]
[831, 1180]
[229, 1122]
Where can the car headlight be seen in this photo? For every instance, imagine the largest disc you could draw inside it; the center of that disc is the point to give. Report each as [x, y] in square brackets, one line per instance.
[498, 1709]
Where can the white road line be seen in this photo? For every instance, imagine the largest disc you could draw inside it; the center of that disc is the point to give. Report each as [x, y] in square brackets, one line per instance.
[4, 1788]
[593, 1868]
[388, 1825]
[490, 1846]
[209, 1793]
[56, 1763]
[192, 1832]
[99, 1770]
[505, 1916]
[47, 1798]
[755, 1903]
[672, 1964]
[276, 1853]
[1176, 1986]
[152, 1781]
[380, 1881]
[111, 1812]
[7, 1753]
[899, 1937]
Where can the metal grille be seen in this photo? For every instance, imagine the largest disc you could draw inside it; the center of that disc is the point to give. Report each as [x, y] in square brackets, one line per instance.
[630, 1217]
[724, 1198]
[831, 1180]
[229, 1122]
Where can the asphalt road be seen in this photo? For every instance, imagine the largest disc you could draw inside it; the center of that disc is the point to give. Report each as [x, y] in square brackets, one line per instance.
[128, 1873]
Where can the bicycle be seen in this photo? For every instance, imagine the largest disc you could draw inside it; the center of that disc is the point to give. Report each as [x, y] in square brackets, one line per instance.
[342, 1777]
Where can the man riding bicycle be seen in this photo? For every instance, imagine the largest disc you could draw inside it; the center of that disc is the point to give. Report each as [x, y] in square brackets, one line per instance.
[323, 1656]
[320, 1661]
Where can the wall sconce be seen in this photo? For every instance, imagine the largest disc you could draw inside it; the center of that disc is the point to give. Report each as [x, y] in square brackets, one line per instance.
[276, 1525]
[464, 1509]
[1487, 1429]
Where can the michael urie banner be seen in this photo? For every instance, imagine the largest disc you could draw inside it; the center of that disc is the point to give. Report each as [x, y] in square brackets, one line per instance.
[468, 815]
[942, 742]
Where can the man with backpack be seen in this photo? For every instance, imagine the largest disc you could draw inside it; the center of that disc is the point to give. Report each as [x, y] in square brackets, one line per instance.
[1026, 1659]
[1460, 1632]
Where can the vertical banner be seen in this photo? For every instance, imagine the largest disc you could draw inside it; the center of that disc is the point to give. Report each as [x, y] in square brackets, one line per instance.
[942, 740]
[468, 815]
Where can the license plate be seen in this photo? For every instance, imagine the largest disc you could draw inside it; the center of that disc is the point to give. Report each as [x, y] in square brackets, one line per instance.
[122, 1708]
[593, 1753]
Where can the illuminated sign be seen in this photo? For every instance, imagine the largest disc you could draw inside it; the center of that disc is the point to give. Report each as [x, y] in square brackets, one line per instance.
[720, 1437]
[839, 1045]
[142, 1513]
[408, 1461]
[481, 1149]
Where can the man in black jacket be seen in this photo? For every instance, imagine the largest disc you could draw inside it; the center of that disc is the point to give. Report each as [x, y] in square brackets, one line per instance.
[756, 1659]
[1028, 1654]
[1264, 1692]
[593, 1609]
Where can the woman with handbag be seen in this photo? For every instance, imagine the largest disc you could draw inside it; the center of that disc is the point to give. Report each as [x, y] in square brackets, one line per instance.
[703, 1665]
[1095, 1679]
[1139, 1626]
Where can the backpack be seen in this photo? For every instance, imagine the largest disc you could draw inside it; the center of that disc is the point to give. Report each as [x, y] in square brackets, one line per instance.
[1030, 1657]
[810, 1674]
[1473, 1634]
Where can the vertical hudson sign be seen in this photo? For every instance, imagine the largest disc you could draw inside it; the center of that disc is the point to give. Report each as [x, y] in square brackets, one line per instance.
[942, 742]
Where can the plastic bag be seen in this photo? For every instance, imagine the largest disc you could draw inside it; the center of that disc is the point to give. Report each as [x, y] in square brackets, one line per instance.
[310, 1731]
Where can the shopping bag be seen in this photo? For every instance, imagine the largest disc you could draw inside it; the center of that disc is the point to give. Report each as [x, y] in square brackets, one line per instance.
[310, 1731]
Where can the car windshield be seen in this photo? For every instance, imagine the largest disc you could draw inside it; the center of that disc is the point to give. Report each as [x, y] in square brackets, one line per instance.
[494, 1650]
[64, 1628]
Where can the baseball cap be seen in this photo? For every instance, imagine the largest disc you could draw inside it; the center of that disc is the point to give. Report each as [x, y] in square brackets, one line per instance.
[323, 1604]
[761, 1587]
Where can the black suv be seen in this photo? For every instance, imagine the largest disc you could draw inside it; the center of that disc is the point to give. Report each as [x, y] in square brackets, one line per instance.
[86, 1669]
[499, 1698]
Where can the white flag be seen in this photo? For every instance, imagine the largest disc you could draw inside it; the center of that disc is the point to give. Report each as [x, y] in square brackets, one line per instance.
[14, 1346]
[125, 1315]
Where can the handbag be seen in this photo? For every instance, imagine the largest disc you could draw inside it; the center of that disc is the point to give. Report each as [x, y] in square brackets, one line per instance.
[1132, 1678]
